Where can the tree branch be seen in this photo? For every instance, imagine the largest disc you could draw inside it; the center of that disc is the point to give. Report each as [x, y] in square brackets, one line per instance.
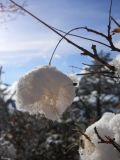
[109, 22]
[108, 141]
[86, 38]
[85, 51]
[115, 21]
[61, 40]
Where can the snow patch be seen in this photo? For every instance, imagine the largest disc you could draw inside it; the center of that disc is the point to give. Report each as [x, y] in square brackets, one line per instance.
[108, 125]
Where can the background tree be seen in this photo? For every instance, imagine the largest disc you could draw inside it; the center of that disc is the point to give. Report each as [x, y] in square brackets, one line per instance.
[98, 91]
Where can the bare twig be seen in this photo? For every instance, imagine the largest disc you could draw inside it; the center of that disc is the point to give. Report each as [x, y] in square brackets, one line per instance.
[84, 134]
[96, 32]
[99, 137]
[76, 67]
[109, 23]
[85, 51]
[108, 141]
[68, 33]
[86, 38]
[92, 65]
[115, 21]
[61, 40]
[112, 141]
[107, 37]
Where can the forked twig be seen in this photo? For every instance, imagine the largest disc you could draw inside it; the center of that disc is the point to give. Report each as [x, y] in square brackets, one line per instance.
[108, 141]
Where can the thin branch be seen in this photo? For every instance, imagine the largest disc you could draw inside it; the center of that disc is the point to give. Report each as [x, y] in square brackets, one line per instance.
[85, 135]
[35, 17]
[86, 52]
[91, 65]
[96, 32]
[60, 42]
[109, 19]
[76, 67]
[112, 141]
[108, 38]
[68, 33]
[86, 38]
[108, 141]
[112, 68]
[99, 137]
[115, 21]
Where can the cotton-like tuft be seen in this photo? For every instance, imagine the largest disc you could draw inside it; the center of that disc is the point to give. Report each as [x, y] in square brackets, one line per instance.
[108, 125]
[45, 90]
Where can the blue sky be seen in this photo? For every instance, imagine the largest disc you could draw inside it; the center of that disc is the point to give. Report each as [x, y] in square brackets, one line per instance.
[25, 43]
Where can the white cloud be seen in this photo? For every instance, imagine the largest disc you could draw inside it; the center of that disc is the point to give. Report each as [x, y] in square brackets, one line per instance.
[19, 49]
[23, 52]
[42, 45]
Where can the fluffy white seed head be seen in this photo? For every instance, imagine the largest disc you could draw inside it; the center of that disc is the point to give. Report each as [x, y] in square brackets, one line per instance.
[108, 125]
[45, 90]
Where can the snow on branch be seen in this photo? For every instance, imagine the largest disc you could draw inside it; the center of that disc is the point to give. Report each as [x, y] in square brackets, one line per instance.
[105, 139]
